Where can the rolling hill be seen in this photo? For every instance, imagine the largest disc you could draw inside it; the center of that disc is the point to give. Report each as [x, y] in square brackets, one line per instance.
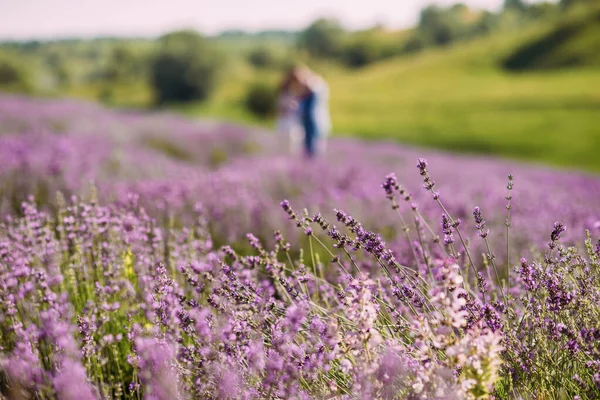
[461, 99]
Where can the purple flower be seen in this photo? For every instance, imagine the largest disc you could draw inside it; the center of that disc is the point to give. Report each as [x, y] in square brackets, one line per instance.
[156, 370]
[70, 382]
[448, 229]
[422, 165]
[480, 223]
[558, 230]
[390, 185]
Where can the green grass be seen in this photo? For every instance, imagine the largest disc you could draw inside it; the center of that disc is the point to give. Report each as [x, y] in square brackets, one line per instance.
[434, 101]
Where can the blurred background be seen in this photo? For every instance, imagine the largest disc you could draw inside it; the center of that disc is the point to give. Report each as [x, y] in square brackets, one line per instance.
[514, 78]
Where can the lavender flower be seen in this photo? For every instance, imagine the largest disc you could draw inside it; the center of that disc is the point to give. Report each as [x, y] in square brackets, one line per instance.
[448, 229]
[480, 223]
[558, 230]
[152, 287]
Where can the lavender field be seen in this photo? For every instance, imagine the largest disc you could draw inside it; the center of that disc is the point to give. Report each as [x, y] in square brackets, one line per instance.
[143, 255]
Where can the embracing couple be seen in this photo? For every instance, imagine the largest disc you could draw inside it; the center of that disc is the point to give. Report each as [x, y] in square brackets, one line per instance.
[303, 110]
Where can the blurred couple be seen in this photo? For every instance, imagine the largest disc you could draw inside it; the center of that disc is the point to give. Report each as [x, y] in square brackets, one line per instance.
[303, 111]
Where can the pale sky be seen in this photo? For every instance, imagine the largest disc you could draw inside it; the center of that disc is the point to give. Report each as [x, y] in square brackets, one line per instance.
[47, 19]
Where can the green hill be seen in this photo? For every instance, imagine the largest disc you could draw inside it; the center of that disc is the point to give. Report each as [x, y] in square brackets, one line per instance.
[574, 42]
[461, 99]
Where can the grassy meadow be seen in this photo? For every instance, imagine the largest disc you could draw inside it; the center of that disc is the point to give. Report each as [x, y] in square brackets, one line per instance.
[460, 100]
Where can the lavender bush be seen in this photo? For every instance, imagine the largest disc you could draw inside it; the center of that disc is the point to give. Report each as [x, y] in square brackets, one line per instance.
[413, 287]
[240, 175]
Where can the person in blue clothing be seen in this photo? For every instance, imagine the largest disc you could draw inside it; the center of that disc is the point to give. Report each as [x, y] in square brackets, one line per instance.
[314, 109]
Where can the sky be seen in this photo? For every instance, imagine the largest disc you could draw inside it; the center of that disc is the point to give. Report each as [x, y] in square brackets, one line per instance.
[51, 19]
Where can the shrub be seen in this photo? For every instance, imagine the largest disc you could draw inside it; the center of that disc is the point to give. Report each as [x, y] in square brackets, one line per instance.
[261, 100]
[184, 69]
[262, 57]
[360, 53]
[414, 44]
[13, 75]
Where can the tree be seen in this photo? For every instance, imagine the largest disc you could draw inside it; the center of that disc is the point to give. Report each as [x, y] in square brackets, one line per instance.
[9, 73]
[184, 69]
[441, 26]
[487, 23]
[435, 26]
[13, 75]
[516, 5]
[323, 38]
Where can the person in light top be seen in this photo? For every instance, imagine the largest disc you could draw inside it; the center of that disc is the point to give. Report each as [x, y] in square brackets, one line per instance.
[288, 113]
[312, 94]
